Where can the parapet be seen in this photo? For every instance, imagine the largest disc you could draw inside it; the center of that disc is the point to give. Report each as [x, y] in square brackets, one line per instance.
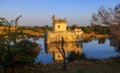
[58, 19]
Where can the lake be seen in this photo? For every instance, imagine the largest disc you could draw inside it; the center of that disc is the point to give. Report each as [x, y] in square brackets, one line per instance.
[95, 49]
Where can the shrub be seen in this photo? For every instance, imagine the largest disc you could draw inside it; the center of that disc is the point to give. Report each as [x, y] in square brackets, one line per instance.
[15, 46]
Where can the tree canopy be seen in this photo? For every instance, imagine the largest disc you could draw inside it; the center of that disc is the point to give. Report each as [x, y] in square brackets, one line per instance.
[107, 16]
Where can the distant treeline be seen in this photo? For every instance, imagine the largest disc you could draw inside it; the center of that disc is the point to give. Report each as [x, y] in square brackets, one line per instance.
[86, 29]
[37, 28]
[96, 29]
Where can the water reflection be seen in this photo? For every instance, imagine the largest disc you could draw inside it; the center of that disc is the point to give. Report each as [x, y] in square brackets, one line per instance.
[55, 48]
[99, 49]
[101, 40]
[115, 43]
[93, 48]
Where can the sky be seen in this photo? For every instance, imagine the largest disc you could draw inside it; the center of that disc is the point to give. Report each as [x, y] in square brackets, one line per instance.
[39, 12]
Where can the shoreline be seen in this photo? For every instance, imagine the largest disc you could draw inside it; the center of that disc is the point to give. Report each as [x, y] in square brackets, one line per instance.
[85, 35]
[40, 33]
[94, 35]
[110, 65]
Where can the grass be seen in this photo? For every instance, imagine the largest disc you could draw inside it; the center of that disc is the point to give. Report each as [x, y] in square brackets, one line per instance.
[100, 68]
[78, 67]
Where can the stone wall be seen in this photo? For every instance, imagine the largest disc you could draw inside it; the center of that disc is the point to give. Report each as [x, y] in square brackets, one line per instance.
[68, 36]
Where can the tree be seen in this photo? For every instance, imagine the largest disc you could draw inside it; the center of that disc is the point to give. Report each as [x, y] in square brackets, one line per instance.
[108, 17]
[16, 20]
[3, 22]
[46, 27]
[15, 46]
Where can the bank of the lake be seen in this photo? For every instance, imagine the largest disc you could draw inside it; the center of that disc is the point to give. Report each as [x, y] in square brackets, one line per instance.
[110, 65]
[84, 65]
[95, 35]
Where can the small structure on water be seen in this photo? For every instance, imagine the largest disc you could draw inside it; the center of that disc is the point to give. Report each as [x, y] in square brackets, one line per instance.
[60, 30]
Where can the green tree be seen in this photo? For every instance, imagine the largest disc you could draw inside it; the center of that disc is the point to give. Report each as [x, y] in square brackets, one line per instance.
[87, 29]
[2, 21]
[46, 27]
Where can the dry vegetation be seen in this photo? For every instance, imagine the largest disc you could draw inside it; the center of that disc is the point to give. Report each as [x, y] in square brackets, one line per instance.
[94, 35]
[111, 65]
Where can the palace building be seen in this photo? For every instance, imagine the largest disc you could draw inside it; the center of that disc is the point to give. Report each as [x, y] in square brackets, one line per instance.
[60, 31]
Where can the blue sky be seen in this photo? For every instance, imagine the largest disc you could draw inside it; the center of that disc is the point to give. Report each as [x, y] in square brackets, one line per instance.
[39, 12]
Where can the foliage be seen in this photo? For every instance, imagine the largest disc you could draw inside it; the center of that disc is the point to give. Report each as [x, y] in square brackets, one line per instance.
[24, 51]
[2, 21]
[75, 56]
[46, 27]
[96, 29]
[74, 26]
[101, 29]
[108, 17]
[15, 46]
[37, 28]
[87, 29]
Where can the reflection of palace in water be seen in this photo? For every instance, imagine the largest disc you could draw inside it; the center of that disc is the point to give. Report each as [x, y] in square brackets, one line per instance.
[55, 48]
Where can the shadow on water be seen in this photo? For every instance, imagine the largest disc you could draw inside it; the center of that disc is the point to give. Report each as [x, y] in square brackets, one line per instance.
[116, 44]
[101, 40]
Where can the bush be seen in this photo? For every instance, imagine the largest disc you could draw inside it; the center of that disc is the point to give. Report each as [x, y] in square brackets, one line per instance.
[15, 46]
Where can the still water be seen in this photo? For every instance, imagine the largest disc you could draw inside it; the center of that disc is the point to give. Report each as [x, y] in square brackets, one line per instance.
[96, 49]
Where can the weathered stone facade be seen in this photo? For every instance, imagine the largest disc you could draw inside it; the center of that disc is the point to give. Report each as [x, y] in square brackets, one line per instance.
[59, 31]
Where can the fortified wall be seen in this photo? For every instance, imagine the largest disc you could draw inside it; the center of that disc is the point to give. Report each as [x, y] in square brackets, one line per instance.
[60, 30]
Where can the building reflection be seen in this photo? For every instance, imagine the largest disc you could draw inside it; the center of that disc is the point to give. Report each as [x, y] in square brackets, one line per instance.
[56, 48]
